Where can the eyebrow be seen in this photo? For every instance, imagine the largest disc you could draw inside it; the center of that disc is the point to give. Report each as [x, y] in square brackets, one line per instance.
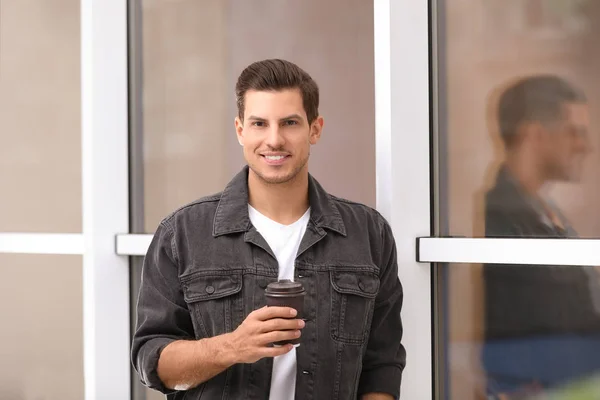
[293, 116]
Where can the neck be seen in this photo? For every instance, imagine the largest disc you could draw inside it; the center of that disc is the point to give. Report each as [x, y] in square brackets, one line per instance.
[524, 169]
[284, 203]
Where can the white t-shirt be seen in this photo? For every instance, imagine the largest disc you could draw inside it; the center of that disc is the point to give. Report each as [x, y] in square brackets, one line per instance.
[284, 240]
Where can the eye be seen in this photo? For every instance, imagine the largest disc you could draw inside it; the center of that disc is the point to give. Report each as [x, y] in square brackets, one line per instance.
[290, 122]
[259, 124]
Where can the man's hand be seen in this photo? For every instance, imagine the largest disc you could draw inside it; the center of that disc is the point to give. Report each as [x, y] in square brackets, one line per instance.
[186, 364]
[377, 396]
[250, 341]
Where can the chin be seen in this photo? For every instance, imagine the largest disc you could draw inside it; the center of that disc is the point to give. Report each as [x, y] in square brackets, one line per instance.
[274, 178]
[571, 177]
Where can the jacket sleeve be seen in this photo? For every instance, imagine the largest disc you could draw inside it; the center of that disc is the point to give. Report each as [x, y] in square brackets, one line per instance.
[162, 314]
[385, 356]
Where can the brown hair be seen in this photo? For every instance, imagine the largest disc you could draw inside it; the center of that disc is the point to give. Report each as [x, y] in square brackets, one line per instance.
[275, 75]
[534, 98]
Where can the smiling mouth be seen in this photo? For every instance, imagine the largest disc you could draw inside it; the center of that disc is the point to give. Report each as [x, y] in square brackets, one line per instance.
[274, 158]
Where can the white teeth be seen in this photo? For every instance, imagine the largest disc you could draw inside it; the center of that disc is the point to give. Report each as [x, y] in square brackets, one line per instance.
[274, 158]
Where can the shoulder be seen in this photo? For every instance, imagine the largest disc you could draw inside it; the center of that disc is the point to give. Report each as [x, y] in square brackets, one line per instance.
[352, 211]
[198, 209]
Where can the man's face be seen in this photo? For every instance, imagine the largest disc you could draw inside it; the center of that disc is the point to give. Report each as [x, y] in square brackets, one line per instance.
[567, 144]
[276, 135]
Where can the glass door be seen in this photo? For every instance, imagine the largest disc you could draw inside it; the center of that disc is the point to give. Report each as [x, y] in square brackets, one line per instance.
[182, 108]
[516, 189]
[371, 61]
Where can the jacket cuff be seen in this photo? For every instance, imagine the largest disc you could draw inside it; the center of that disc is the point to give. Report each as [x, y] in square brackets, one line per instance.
[384, 379]
[147, 364]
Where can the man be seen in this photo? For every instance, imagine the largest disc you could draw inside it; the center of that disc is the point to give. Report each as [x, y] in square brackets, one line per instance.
[542, 327]
[203, 330]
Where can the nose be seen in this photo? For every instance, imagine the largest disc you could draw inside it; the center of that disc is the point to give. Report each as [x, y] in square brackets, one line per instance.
[274, 137]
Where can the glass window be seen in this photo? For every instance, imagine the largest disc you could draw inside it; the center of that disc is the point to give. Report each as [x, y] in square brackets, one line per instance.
[519, 100]
[193, 53]
[519, 330]
[41, 340]
[40, 144]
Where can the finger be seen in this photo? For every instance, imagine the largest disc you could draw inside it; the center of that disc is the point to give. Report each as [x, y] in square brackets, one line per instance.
[278, 336]
[276, 351]
[281, 324]
[266, 313]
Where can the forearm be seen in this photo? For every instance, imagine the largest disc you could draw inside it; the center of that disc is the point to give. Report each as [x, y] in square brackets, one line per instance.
[185, 364]
[377, 396]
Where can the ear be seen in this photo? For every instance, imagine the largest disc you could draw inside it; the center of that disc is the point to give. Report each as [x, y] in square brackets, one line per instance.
[239, 130]
[535, 132]
[315, 130]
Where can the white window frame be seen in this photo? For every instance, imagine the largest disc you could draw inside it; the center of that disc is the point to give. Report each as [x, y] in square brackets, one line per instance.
[521, 251]
[105, 179]
[403, 171]
[41, 243]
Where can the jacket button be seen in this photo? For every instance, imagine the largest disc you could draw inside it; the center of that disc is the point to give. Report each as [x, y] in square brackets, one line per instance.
[361, 286]
[305, 372]
[210, 289]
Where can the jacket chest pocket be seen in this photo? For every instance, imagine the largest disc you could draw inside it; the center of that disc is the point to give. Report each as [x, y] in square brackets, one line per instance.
[352, 301]
[215, 302]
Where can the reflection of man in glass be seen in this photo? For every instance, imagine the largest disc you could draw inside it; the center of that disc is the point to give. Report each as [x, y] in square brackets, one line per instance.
[541, 325]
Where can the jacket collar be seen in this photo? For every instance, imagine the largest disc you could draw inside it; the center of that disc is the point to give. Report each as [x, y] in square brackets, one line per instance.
[508, 195]
[232, 211]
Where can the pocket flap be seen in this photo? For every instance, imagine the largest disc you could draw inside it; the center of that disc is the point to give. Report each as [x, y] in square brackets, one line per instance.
[210, 287]
[358, 283]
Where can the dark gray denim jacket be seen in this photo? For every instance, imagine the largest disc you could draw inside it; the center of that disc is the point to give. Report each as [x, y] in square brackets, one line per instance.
[207, 268]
